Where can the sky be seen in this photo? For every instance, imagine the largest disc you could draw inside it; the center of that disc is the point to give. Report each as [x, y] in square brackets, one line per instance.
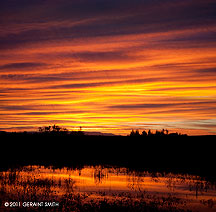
[108, 65]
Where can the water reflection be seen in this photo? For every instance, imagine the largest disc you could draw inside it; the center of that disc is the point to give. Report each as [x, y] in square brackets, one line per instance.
[34, 183]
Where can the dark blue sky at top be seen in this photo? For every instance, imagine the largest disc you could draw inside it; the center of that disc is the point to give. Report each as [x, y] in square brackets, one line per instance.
[108, 17]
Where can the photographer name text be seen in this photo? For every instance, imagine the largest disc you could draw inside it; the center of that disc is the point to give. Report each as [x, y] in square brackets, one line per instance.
[31, 204]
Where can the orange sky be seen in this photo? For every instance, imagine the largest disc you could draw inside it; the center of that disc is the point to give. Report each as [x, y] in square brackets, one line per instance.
[137, 68]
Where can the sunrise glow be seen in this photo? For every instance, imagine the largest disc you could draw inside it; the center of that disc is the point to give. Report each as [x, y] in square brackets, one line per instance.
[108, 67]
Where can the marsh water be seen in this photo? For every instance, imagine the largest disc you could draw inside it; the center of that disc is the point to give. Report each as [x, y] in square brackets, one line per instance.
[94, 183]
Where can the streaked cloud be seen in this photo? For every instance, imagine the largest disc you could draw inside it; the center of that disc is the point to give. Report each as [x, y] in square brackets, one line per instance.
[108, 65]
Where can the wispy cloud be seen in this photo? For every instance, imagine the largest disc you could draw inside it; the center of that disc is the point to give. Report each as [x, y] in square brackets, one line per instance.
[21, 66]
[108, 65]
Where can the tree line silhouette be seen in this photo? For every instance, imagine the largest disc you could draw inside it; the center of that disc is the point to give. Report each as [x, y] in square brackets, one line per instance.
[57, 130]
[163, 132]
[54, 129]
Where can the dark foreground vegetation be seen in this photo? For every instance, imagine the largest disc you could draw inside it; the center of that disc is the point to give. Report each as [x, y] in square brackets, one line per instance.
[34, 190]
[58, 148]
[157, 133]
[76, 202]
[194, 154]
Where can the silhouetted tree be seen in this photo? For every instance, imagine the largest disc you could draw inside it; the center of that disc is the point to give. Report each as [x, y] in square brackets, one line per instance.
[163, 132]
[137, 133]
[47, 129]
[157, 133]
[144, 133]
[167, 131]
[160, 133]
[132, 133]
[56, 128]
[149, 133]
[52, 129]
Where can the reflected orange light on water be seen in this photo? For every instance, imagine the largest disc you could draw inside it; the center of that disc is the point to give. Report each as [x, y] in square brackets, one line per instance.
[99, 182]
